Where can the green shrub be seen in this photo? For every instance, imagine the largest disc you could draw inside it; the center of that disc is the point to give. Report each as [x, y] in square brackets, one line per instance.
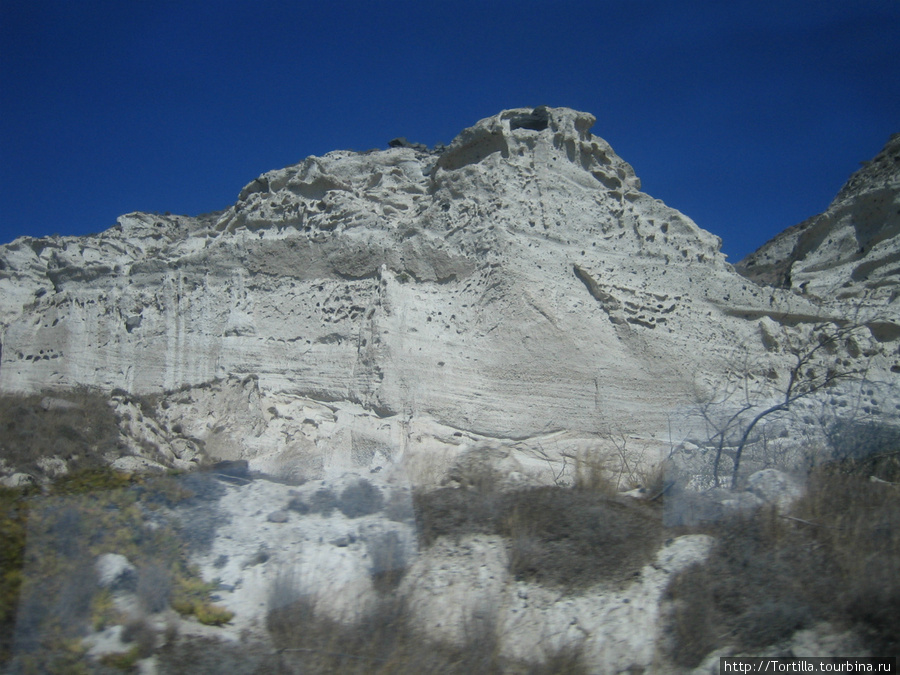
[103, 610]
[51, 595]
[91, 480]
[189, 591]
[212, 615]
[14, 509]
[124, 661]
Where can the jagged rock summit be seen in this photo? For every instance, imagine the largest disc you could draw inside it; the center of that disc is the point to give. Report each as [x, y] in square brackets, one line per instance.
[516, 289]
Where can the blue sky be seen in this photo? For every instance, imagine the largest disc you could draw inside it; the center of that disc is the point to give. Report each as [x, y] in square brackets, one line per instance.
[746, 116]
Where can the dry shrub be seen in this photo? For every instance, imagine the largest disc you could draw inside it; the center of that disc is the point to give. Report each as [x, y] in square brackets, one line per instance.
[142, 634]
[380, 642]
[323, 501]
[79, 427]
[772, 620]
[865, 449]
[399, 507]
[360, 499]
[297, 504]
[836, 558]
[558, 536]
[860, 530]
[386, 641]
[453, 512]
[656, 479]
[566, 661]
[154, 588]
[473, 507]
[573, 538]
[590, 475]
[192, 655]
[692, 627]
[477, 472]
[387, 560]
[754, 587]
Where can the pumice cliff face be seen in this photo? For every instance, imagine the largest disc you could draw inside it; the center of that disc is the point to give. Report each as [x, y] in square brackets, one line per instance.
[516, 285]
[852, 250]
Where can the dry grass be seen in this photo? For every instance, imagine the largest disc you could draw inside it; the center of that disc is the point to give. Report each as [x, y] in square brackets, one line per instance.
[837, 558]
[590, 474]
[77, 426]
[385, 641]
[568, 538]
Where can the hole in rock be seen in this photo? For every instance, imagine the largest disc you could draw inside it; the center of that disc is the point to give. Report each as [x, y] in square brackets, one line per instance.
[537, 120]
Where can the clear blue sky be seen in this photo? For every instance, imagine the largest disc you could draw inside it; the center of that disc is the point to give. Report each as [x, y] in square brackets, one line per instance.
[746, 116]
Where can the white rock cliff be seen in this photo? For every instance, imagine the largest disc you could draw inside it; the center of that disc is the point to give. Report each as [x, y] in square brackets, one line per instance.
[511, 306]
[852, 250]
[512, 288]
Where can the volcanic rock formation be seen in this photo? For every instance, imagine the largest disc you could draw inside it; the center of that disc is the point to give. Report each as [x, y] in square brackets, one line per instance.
[514, 289]
[508, 311]
[852, 251]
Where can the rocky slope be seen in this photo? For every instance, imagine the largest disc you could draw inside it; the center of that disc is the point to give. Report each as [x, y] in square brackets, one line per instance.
[515, 288]
[506, 312]
[852, 251]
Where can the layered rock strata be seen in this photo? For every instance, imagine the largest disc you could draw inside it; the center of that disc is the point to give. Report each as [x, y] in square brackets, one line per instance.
[852, 250]
[515, 288]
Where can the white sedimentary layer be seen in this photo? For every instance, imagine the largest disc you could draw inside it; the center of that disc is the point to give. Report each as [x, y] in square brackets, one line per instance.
[514, 300]
[516, 285]
[852, 250]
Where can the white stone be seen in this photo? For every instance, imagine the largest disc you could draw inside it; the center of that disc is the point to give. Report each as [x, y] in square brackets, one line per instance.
[114, 571]
[53, 466]
[774, 487]
[851, 250]
[299, 557]
[17, 480]
[517, 291]
[52, 403]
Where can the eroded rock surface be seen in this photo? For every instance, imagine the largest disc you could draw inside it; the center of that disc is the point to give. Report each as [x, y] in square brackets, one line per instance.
[508, 309]
[516, 286]
[852, 251]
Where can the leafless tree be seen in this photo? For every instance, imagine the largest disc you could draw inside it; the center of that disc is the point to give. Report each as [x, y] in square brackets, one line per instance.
[820, 356]
[807, 376]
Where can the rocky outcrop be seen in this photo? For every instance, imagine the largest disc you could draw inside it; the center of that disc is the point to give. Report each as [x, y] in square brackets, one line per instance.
[509, 311]
[513, 288]
[852, 251]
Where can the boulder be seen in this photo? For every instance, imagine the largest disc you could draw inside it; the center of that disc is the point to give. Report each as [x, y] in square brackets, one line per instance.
[115, 572]
[774, 487]
[17, 480]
